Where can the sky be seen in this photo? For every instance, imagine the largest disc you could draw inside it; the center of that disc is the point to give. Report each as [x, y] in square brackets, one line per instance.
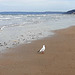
[36, 5]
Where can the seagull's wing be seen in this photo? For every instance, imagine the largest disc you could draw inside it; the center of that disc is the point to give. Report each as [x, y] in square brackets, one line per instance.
[41, 50]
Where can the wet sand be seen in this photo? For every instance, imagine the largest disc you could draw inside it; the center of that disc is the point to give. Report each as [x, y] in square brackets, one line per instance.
[58, 59]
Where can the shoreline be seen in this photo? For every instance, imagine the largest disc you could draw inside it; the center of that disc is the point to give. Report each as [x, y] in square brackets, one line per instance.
[53, 35]
[58, 59]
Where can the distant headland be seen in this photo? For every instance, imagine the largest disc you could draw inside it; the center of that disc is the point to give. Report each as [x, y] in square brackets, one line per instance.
[46, 12]
[70, 12]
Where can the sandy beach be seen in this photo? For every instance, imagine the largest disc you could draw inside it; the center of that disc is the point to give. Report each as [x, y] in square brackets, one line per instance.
[58, 59]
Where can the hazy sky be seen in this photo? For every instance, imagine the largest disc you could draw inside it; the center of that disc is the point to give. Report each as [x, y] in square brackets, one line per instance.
[36, 5]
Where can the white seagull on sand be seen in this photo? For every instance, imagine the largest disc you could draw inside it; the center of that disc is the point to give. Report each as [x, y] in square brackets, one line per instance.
[42, 49]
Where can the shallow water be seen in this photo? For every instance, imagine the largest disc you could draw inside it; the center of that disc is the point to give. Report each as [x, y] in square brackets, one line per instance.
[20, 29]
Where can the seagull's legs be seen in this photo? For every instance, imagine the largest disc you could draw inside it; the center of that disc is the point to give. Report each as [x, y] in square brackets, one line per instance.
[42, 52]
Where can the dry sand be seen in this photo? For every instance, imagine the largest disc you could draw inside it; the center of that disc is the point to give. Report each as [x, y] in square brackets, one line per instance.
[58, 59]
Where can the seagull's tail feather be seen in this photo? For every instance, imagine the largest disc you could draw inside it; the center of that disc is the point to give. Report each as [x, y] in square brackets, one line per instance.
[38, 51]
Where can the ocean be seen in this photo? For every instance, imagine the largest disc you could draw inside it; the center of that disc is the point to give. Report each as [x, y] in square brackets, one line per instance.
[17, 29]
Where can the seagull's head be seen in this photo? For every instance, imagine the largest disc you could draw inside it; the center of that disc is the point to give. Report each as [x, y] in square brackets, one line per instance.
[43, 45]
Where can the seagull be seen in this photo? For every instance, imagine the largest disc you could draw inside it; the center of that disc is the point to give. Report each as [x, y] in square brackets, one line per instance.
[42, 49]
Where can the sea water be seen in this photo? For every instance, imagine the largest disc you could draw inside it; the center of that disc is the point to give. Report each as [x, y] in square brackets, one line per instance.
[20, 29]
